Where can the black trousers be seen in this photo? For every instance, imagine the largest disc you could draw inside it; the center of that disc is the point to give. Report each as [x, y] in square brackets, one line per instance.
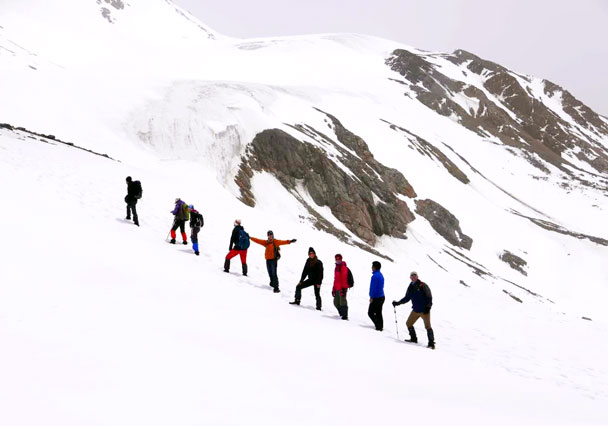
[132, 210]
[305, 284]
[179, 223]
[375, 312]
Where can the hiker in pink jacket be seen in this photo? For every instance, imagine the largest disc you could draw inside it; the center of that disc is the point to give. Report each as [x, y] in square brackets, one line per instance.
[340, 287]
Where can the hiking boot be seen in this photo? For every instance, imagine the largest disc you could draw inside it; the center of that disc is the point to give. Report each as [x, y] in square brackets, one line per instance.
[276, 290]
[185, 243]
[172, 241]
[226, 265]
[295, 302]
[128, 217]
[196, 253]
[318, 308]
[411, 340]
[345, 318]
[431, 345]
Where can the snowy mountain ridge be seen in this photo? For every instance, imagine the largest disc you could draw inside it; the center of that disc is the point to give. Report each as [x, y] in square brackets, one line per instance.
[491, 184]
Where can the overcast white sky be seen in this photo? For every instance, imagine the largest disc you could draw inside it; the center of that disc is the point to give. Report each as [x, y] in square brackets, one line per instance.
[565, 41]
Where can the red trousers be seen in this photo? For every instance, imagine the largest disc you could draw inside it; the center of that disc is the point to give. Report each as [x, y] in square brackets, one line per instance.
[233, 253]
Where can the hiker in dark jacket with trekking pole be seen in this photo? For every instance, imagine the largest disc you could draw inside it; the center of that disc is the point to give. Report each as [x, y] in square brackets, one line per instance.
[422, 301]
[182, 214]
[313, 269]
[134, 193]
[239, 243]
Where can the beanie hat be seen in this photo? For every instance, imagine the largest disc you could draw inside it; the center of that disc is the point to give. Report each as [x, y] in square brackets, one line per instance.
[129, 179]
[191, 206]
[311, 250]
[376, 265]
[338, 256]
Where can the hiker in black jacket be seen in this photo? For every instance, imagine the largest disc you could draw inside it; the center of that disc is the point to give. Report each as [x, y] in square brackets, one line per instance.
[196, 223]
[235, 246]
[133, 193]
[313, 269]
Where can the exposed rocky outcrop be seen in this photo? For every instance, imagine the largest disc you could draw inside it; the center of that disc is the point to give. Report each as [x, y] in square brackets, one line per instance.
[512, 113]
[517, 299]
[360, 192]
[107, 13]
[550, 226]
[50, 139]
[515, 262]
[444, 223]
[426, 148]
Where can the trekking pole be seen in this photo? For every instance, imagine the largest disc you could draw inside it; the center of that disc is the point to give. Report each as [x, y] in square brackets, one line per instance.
[169, 233]
[396, 326]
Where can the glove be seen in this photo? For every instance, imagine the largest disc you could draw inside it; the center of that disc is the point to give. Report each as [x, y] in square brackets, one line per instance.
[395, 303]
[293, 241]
[333, 294]
[427, 310]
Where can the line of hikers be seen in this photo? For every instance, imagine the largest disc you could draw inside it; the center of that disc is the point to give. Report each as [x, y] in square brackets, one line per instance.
[417, 292]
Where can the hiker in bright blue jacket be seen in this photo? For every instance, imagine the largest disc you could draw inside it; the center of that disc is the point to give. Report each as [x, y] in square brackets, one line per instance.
[376, 296]
[422, 301]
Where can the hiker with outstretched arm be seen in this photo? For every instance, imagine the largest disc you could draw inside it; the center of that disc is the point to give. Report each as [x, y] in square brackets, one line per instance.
[272, 254]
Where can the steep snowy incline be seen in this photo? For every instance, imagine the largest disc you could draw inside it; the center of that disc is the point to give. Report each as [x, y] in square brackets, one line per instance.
[105, 323]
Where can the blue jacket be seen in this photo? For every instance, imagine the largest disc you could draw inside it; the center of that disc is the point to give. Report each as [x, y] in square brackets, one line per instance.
[420, 295]
[376, 286]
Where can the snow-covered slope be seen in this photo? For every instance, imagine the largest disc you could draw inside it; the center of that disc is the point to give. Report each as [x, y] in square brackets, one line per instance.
[98, 313]
[105, 323]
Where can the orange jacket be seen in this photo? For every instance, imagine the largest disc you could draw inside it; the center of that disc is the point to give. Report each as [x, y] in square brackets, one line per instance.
[269, 254]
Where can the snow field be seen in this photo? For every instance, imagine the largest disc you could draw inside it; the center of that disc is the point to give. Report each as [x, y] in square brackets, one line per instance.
[104, 323]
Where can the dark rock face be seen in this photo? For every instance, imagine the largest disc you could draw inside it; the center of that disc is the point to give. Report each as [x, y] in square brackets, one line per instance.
[517, 299]
[365, 199]
[513, 115]
[550, 226]
[27, 135]
[425, 148]
[444, 223]
[107, 13]
[515, 262]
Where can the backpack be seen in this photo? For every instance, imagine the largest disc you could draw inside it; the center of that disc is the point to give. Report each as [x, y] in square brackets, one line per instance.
[350, 279]
[243, 239]
[138, 190]
[196, 220]
[186, 212]
[277, 251]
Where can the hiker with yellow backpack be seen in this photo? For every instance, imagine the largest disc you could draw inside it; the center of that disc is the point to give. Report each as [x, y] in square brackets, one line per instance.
[182, 215]
[272, 255]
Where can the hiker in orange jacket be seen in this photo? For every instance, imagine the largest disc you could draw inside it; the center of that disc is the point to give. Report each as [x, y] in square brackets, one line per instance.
[272, 255]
